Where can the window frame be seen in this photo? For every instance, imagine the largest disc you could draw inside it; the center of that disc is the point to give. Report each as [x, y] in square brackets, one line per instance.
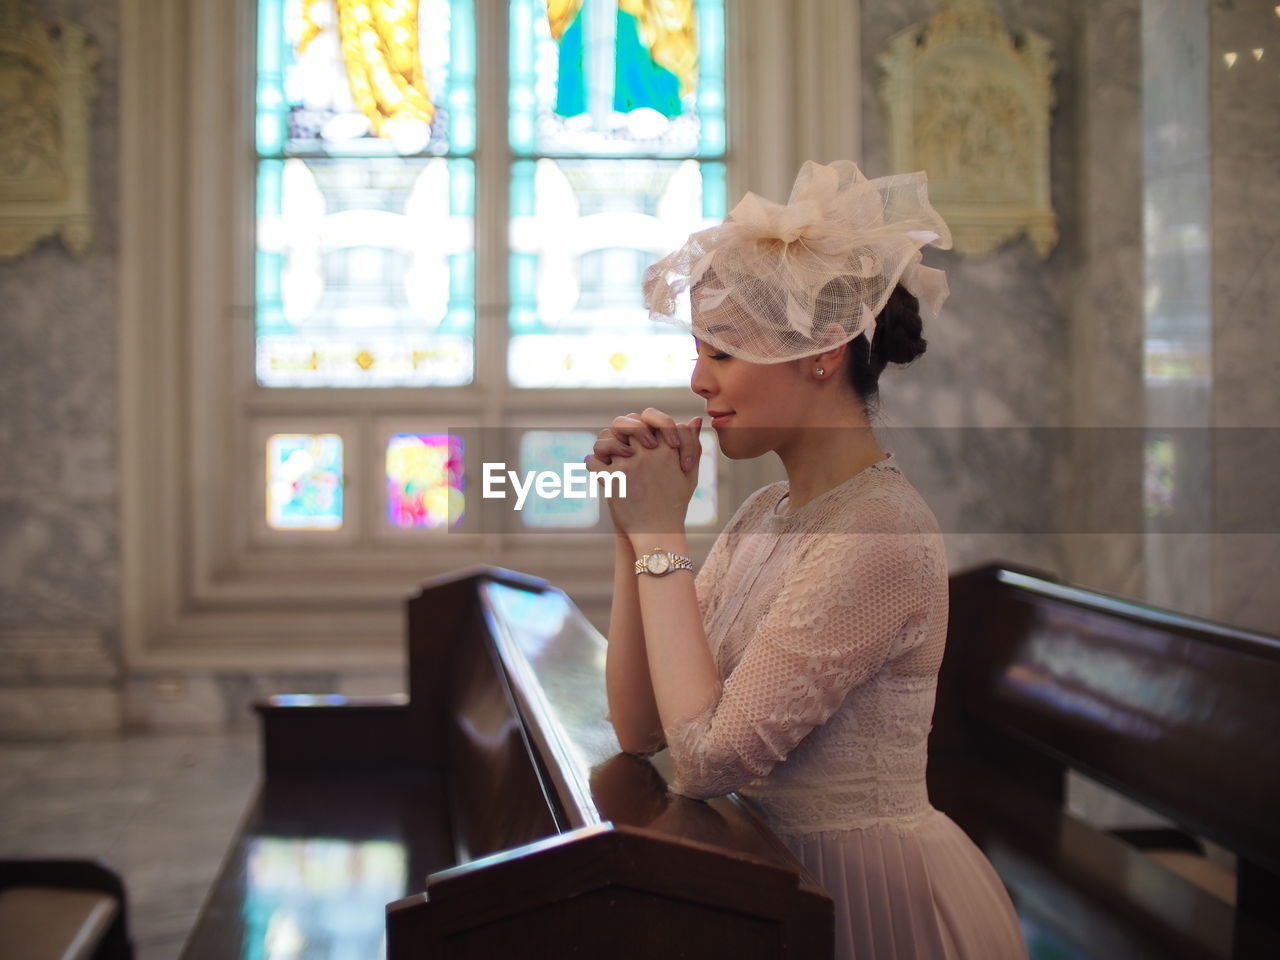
[201, 589]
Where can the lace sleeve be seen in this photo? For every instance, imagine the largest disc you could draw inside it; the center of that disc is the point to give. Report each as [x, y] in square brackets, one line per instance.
[709, 578]
[845, 607]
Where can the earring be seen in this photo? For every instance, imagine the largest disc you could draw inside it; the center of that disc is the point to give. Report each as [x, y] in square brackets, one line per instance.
[820, 372]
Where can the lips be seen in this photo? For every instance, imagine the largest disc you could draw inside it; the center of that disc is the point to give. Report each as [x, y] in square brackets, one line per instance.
[719, 417]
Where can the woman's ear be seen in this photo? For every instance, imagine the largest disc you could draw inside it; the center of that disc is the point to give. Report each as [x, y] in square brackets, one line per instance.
[825, 364]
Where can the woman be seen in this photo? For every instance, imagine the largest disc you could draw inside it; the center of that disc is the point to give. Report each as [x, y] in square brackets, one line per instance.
[800, 668]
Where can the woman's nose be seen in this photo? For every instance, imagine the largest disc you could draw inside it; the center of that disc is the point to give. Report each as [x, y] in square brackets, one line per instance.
[700, 381]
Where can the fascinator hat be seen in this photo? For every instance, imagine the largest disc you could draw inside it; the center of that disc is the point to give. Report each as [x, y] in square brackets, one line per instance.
[776, 282]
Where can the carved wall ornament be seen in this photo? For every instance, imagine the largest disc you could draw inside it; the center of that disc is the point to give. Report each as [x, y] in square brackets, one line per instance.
[46, 84]
[970, 105]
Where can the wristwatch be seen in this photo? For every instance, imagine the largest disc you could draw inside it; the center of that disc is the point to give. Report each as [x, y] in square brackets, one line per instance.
[659, 563]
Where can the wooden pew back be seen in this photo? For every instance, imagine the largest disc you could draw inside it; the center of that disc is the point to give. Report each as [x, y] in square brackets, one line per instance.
[561, 839]
[1179, 714]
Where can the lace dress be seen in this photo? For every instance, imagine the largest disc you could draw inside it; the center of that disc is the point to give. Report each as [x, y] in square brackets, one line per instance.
[827, 626]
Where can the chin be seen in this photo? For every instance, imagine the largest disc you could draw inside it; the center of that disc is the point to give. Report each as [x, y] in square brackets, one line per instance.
[742, 443]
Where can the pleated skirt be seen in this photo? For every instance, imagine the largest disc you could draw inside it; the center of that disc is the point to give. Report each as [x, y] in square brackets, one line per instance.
[912, 892]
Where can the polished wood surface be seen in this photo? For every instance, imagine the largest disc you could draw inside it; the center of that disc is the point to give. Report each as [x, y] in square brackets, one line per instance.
[555, 659]
[315, 862]
[631, 870]
[1177, 713]
[492, 810]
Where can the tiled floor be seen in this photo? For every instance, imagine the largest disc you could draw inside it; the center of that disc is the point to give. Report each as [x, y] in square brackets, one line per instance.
[160, 810]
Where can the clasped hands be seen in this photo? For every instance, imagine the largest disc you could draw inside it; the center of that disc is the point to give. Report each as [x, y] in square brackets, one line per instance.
[659, 458]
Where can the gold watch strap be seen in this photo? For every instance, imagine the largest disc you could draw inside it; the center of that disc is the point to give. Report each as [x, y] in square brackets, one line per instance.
[674, 562]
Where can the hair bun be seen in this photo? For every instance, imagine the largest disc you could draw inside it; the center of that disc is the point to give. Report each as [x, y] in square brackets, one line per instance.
[898, 330]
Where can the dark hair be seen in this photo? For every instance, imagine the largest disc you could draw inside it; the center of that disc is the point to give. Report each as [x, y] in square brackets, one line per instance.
[897, 340]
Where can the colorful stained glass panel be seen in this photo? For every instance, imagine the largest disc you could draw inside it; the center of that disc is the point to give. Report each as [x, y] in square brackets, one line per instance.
[583, 231]
[551, 450]
[304, 481]
[424, 480]
[365, 272]
[617, 78]
[366, 77]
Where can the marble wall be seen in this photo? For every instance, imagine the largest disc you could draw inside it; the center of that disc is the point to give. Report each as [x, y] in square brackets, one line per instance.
[59, 521]
[1040, 346]
[1244, 103]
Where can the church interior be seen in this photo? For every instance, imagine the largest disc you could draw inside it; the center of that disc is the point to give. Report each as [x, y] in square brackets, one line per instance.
[281, 280]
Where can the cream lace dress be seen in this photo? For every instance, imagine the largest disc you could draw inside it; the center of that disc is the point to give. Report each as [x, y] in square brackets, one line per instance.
[827, 625]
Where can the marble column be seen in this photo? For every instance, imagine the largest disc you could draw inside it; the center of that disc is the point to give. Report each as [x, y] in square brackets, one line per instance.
[1178, 306]
[1100, 461]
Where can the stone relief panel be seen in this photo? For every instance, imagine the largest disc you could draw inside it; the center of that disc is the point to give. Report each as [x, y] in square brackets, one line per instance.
[46, 85]
[970, 104]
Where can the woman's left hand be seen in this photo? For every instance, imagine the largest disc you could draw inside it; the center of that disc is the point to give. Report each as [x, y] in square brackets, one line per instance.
[658, 490]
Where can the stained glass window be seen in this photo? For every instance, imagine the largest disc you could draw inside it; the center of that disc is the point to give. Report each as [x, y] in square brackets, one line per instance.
[550, 450]
[702, 508]
[617, 123]
[617, 78]
[304, 481]
[365, 231]
[424, 480]
[365, 204]
[1159, 470]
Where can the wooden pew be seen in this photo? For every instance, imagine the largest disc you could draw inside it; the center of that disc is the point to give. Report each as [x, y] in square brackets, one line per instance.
[1179, 714]
[63, 910]
[491, 814]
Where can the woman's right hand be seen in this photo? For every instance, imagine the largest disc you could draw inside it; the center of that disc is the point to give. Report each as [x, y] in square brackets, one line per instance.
[649, 429]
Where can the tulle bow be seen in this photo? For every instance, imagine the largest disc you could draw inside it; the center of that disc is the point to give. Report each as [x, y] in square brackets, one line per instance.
[836, 226]
[802, 219]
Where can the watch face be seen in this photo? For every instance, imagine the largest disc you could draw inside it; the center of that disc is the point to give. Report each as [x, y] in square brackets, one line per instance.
[657, 563]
